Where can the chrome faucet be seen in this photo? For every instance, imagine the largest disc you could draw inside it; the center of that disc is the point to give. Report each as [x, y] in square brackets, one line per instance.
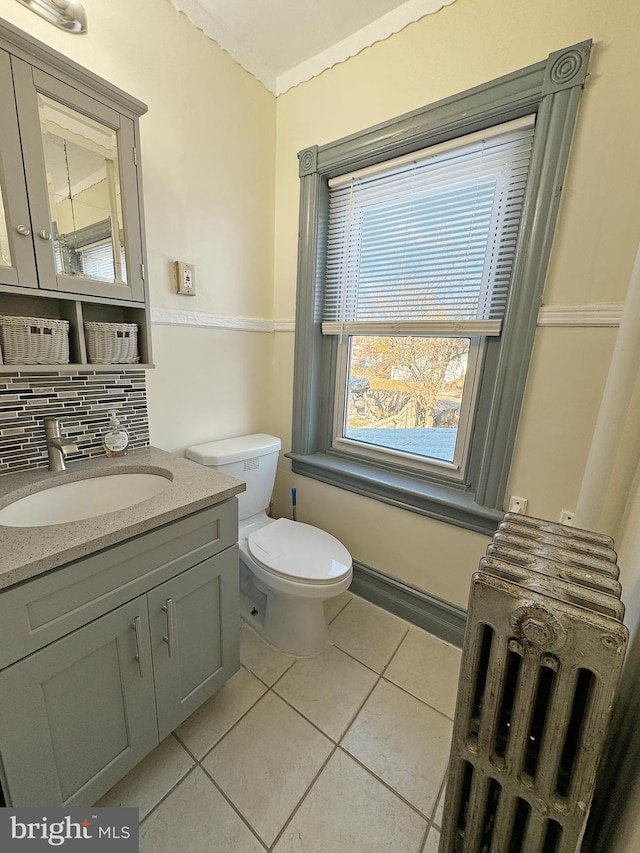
[57, 447]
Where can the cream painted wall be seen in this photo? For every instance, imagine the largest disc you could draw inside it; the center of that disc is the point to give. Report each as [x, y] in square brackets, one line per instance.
[208, 147]
[468, 43]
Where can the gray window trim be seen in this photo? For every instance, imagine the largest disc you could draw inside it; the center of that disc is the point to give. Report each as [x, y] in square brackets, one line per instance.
[552, 90]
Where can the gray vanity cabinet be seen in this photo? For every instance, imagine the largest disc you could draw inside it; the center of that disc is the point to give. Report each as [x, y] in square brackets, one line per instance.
[187, 644]
[104, 657]
[79, 714]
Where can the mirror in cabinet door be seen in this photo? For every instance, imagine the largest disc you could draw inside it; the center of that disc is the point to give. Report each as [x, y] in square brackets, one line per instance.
[17, 261]
[80, 170]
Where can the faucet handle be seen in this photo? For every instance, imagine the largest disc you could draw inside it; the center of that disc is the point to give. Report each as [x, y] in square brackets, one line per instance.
[52, 425]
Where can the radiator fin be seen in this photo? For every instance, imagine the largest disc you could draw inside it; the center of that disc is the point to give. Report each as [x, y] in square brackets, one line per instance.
[481, 667]
[514, 661]
[540, 711]
[579, 710]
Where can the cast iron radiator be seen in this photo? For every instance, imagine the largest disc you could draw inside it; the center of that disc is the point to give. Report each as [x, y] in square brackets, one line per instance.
[542, 655]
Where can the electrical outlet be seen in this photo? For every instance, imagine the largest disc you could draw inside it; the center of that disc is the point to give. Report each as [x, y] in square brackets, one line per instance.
[518, 504]
[567, 516]
[184, 278]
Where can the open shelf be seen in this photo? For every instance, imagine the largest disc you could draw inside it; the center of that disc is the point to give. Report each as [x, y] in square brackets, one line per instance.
[77, 311]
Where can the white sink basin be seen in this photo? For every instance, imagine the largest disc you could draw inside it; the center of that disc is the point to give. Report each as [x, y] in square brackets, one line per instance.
[82, 499]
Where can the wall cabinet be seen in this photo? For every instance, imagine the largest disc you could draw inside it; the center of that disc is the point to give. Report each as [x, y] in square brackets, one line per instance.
[71, 216]
[79, 713]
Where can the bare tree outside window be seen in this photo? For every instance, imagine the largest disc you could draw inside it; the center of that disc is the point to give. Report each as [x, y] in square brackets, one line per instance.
[405, 392]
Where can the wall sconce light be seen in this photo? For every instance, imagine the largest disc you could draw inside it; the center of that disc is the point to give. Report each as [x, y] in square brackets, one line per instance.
[66, 14]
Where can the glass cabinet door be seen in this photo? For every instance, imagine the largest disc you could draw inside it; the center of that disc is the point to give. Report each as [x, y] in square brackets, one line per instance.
[17, 263]
[81, 176]
[85, 202]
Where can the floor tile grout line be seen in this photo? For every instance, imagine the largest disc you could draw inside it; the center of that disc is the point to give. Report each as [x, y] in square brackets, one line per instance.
[191, 754]
[427, 830]
[288, 669]
[357, 713]
[386, 784]
[198, 763]
[168, 794]
[316, 726]
[232, 727]
[303, 797]
[333, 743]
[353, 657]
[335, 615]
[433, 827]
[394, 653]
[266, 683]
[441, 794]
[230, 802]
[305, 718]
[417, 698]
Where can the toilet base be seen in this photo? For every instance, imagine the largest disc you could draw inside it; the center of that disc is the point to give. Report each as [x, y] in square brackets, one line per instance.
[291, 624]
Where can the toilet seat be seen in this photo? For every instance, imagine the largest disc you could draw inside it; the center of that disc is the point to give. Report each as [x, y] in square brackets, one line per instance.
[299, 551]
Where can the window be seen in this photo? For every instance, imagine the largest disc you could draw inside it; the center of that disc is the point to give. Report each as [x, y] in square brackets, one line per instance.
[423, 249]
[420, 254]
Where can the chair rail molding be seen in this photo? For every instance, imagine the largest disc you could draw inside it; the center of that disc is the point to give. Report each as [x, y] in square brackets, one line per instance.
[606, 314]
[177, 317]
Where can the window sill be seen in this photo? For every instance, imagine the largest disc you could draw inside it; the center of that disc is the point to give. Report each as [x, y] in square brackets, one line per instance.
[449, 504]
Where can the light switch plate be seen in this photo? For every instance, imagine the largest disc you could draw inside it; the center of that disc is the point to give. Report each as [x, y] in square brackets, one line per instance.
[184, 278]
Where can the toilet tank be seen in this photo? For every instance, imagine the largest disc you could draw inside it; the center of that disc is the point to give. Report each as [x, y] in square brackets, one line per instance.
[252, 458]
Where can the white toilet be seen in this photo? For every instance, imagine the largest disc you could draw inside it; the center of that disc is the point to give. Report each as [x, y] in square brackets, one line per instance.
[287, 569]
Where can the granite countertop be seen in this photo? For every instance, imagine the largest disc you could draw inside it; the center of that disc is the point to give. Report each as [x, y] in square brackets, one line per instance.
[29, 551]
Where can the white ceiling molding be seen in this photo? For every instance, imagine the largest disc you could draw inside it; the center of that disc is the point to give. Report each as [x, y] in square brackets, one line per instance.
[252, 49]
[212, 26]
[376, 31]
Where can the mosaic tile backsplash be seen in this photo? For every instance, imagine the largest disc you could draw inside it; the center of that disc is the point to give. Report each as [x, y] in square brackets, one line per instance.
[83, 399]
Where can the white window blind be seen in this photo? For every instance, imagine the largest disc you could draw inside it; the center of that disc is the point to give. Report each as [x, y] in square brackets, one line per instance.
[96, 261]
[427, 243]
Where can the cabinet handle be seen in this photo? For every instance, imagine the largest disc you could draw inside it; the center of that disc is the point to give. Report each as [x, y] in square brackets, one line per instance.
[136, 626]
[23, 230]
[44, 234]
[169, 638]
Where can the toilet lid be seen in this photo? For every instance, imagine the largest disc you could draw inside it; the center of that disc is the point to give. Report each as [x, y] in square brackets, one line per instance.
[299, 551]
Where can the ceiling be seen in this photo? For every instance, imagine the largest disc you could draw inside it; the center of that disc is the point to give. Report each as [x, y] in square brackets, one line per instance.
[284, 42]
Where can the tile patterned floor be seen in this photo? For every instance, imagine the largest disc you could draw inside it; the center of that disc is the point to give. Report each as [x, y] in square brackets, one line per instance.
[344, 752]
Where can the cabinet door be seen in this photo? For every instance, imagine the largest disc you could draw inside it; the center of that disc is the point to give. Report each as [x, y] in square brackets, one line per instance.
[17, 262]
[81, 173]
[79, 714]
[195, 625]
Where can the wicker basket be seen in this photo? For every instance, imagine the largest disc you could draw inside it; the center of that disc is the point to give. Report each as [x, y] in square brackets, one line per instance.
[112, 343]
[34, 340]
